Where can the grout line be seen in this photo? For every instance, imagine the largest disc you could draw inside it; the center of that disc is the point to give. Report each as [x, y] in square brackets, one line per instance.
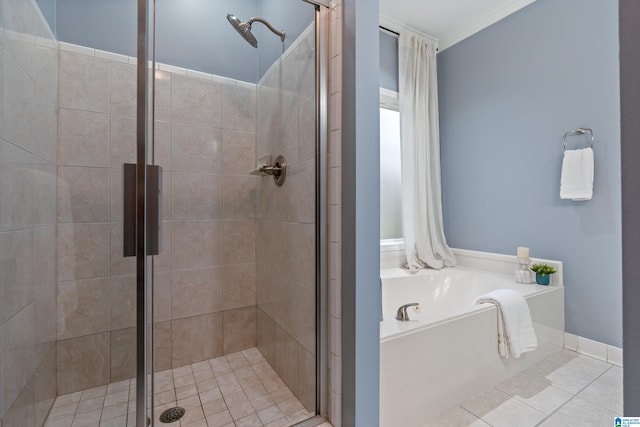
[579, 391]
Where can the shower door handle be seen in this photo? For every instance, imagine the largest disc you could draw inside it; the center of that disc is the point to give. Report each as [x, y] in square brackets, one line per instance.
[154, 209]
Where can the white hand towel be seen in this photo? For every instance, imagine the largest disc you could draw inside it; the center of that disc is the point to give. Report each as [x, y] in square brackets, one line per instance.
[576, 181]
[515, 329]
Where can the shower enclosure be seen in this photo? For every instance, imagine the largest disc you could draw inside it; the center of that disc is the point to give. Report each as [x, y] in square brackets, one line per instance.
[194, 278]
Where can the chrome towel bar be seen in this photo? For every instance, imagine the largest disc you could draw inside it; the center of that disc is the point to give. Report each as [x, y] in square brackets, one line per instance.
[579, 131]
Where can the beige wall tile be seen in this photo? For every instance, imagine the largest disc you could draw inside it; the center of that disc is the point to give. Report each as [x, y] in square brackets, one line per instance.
[196, 196]
[123, 140]
[83, 362]
[123, 302]
[289, 82]
[120, 265]
[44, 381]
[116, 194]
[162, 296]
[196, 148]
[239, 285]
[83, 138]
[307, 129]
[195, 292]
[288, 145]
[83, 194]
[162, 145]
[283, 363]
[196, 244]
[84, 82]
[163, 96]
[45, 132]
[17, 355]
[82, 307]
[300, 253]
[123, 354]
[162, 346]
[238, 108]
[46, 75]
[28, 152]
[44, 255]
[196, 101]
[268, 289]
[238, 329]
[266, 336]
[17, 188]
[43, 178]
[162, 262]
[238, 239]
[21, 412]
[306, 379]
[16, 283]
[83, 251]
[302, 321]
[45, 313]
[187, 345]
[300, 196]
[238, 152]
[123, 89]
[239, 197]
[18, 102]
[305, 54]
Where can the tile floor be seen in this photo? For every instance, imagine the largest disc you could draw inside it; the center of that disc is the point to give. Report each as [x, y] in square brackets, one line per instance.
[565, 389]
[236, 390]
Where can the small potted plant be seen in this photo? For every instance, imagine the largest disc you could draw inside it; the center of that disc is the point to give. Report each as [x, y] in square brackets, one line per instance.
[542, 273]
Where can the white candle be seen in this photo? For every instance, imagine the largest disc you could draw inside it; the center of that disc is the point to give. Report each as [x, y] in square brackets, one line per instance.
[523, 252]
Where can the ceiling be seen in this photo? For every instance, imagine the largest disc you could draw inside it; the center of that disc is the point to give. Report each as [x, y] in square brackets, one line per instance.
[450, 21]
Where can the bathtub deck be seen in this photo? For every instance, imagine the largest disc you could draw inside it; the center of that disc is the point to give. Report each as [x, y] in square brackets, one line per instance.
[566, 388]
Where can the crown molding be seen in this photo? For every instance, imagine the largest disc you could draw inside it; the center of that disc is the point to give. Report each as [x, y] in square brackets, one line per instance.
[461, 32]
[398, 27]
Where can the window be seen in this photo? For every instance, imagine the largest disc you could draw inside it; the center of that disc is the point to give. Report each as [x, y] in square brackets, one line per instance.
[390, 173]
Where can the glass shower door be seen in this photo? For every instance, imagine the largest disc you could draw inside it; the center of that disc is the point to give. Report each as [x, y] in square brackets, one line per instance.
[229, 347]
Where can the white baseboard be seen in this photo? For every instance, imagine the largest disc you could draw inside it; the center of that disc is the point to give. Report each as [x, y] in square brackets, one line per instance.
[595, 349]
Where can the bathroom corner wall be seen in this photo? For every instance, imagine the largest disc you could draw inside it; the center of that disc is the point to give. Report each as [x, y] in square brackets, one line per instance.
[335, 214]
[286, 240]
[507, 95]
[205, 276]
[28, 111]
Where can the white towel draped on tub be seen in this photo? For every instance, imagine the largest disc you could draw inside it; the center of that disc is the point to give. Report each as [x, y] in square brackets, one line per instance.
[576, 181]
[515, 330]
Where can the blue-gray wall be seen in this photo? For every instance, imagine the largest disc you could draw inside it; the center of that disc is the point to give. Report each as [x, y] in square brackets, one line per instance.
[293, 15]
[507, 94]
[388, 61]
[360, 215]
[48, 9]
[193, 34]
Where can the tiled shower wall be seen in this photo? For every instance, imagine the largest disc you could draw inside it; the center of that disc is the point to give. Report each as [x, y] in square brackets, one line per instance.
[286, 242]
[335, 214]
[28, 99]
[205, 276]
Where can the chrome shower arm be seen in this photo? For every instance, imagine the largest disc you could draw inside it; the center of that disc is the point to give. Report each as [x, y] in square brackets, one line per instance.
[282, 33]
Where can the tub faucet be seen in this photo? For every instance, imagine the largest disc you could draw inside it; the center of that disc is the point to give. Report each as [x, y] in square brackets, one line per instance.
[402, 314]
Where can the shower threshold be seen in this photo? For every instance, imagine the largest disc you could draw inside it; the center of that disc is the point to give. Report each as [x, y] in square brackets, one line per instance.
[239, 389]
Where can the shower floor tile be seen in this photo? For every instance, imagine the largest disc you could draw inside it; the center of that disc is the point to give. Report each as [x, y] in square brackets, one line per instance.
[239, 389]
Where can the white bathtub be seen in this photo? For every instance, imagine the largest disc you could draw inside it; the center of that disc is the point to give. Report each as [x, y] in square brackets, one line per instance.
[448, 351]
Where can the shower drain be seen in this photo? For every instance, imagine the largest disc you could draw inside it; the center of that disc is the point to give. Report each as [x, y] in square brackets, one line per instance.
[171, 415]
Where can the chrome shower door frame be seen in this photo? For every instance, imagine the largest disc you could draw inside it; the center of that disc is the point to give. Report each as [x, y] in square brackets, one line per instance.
[145, 56]
[142, 144]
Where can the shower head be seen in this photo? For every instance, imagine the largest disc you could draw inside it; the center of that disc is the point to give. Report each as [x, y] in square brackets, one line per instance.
[244, 28]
